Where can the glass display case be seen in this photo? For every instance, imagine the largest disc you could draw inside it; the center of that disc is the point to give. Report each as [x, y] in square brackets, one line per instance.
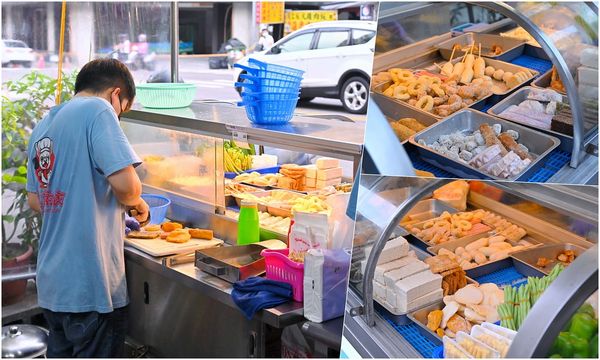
[554, 215]
[557, 40]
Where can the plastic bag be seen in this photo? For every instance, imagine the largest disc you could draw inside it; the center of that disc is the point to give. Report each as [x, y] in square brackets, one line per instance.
[294, 344]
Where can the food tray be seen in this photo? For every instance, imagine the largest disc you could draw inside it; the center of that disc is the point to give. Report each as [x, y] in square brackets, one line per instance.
[426, 210]
[260, 194]
[267, 170]
[566, 141]
[539, 144]
[479, 273]
[398, 109]
[497, 64]
[529, 257]
[512, 47]
[425, 245]
[419, 317]
[543, 82]
[231, 263]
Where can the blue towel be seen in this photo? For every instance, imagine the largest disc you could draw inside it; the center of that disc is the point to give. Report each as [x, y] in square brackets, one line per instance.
[256, 293]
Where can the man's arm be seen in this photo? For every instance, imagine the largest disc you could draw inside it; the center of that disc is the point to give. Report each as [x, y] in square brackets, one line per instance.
[34, 201]
[126, 185]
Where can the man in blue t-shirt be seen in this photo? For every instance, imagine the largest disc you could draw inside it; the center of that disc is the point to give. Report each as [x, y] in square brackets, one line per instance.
[81, 177]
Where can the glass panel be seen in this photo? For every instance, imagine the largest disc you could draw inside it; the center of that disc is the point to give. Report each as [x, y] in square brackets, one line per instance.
[297, 43]
[361, 36]
[175, 161]
[332, 39]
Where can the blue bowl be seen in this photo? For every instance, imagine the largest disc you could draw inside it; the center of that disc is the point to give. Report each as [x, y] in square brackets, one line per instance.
[158, 207]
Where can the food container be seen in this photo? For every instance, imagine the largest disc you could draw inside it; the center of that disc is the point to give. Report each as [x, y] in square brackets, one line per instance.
[500, 343]
[259, 194]
[426, 245]
[419, 317]
[507, 333]
[459, 352]
[566, 141]
[497, 64]
[397, 109]
[530, 257]
[280, 267]
[426, 210]
[539, 144]
[279, 211]
[511, 47]
[231, 263]
[543, 82]
[491, 267]
[486, 351]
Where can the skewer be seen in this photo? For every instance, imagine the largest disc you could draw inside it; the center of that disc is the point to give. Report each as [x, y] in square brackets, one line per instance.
[480, 50]
[465, 56]
[452, 55]
[439, 67]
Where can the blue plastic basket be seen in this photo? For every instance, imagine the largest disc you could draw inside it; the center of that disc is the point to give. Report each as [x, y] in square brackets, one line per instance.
[268, 96]
[252, 89]
[158, 207]
[264, 70]
[266, 83]
[269, 112]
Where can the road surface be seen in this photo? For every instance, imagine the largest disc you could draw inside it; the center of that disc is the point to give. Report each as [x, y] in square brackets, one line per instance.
[213, 84]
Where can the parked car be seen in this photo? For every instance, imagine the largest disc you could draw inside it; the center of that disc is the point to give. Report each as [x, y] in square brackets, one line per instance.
[16, 52]
[337, 57]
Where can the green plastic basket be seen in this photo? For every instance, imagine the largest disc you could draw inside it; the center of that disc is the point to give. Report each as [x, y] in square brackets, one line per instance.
[165, 95]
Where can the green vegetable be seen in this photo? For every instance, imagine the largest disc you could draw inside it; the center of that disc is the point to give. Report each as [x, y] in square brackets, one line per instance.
[581, 348]
[555, 356]
[587, 309]
[562, 345]
[594, 347]
[584, 326]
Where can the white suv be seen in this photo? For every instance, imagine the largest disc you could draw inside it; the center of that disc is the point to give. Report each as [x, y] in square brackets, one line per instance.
[16, 52]
[337, 57]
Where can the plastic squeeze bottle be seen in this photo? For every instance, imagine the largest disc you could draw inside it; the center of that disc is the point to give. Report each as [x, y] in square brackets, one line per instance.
[248, 227]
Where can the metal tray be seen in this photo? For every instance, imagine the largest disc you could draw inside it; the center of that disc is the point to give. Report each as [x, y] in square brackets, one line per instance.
[543, 82]
[419, 317]
[539, 144]
[497, 64]
[566, 141]
[259, 194]
[521, 267]
[394, 110]
[232, 263]
[529, 257]
[512, 47]
[426, 210]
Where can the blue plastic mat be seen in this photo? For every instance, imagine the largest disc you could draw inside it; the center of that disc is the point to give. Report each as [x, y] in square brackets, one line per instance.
[533, 63]
[411, 333]
[438, 352]
[554, 162]
[506, 276]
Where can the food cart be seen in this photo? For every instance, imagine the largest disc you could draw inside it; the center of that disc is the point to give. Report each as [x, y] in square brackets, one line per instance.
[527, 47]
[176, 309]
[554, 218]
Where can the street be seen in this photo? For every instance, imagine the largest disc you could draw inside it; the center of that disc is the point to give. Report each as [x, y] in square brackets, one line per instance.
[213, 84]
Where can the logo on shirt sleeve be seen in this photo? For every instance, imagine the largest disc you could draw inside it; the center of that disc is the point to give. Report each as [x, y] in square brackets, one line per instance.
[44, 161]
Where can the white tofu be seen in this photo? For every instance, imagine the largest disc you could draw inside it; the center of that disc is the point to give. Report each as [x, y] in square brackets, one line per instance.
[587, 76]
[415, 267]
[419, 302]
[394, 249]
[328, 174]
[310, 182]
[311, 171]
[324, 183]
[391, 297]
[379, 290]
[417, 285]
[327, 163]
[381, 269]
[589, 57]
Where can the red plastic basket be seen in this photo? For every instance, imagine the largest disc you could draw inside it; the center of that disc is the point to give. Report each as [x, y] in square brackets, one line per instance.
[280, 268]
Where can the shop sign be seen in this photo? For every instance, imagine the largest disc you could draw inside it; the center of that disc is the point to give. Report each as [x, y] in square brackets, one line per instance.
[270, 12]
[295, 20]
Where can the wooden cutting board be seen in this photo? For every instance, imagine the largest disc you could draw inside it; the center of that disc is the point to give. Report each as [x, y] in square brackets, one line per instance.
[160, 247]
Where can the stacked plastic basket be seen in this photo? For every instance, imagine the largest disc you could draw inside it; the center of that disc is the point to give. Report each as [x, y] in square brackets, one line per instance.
[269, 92]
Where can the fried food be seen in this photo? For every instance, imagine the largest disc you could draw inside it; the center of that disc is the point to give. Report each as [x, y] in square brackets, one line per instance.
[490, 137]
[179, 237]
[170, 226]
[510, 144]
[203, 234]
[434, 319]
[425, 103]
[143, 235]
[152, 227]
[412, 124]
[402, 131]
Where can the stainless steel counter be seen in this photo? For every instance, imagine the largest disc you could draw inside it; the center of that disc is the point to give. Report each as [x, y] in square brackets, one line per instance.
[220, 290]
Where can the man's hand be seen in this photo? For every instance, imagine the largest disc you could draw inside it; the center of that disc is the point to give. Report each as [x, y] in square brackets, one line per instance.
[140, 212]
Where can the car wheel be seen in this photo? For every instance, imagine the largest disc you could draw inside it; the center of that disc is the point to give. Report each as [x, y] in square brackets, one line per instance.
[355, 95]
[306, 99]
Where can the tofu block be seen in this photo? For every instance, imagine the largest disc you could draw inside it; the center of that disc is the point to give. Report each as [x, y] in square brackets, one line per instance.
[418, 285]
[394, 249]
[589, 57]
[311, 171]
[310, 188]
[379, 290]
[381, 269]
[415, 267]
[587, 76]
[390, 297]
[323, 183]
[311, 182]
[329, 174]
[419, 302]
[327, 163]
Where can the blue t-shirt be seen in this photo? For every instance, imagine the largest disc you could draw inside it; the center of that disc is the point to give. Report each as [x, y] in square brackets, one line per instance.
[72, 151]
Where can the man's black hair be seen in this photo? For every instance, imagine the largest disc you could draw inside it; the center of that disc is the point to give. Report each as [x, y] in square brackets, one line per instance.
[101, 74]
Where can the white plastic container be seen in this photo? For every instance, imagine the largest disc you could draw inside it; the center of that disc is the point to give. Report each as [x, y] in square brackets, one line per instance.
[491, 339]
[507, 333]
[484, 351]
[454, 351]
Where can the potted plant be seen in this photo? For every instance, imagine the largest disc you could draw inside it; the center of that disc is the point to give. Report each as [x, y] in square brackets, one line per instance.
[31, 97]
